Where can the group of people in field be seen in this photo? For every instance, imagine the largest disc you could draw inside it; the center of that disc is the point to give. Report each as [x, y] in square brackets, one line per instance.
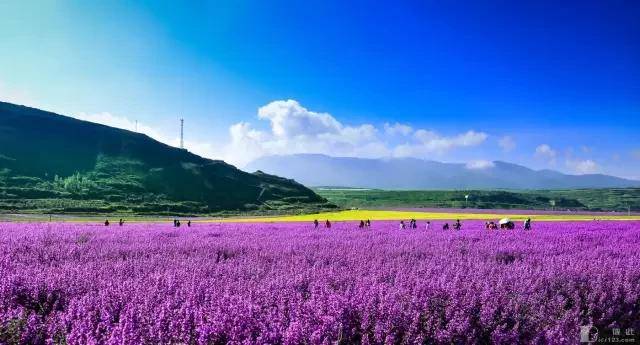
[176, 223]
[120, 222]
[413, 224]
[457, 225]
[364, 224]
[507, 225]
[327, 224]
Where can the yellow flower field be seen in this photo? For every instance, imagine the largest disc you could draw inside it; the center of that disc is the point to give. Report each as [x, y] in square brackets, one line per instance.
[353, 215]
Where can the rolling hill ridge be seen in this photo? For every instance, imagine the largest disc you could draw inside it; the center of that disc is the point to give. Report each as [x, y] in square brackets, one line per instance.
[54, 163]
[412, 173]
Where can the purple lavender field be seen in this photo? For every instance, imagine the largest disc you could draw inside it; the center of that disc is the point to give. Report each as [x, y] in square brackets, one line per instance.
[291, 284]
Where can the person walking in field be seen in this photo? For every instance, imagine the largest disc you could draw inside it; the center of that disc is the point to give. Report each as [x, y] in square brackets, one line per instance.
[402, 226]
[426, 227]
[457, 225]
[106, 222]
[121, 222]
[445, 226]
[368, 223]
[327, 224]
[527, 224]
[315, 223]
[189, 223]
[361, 224]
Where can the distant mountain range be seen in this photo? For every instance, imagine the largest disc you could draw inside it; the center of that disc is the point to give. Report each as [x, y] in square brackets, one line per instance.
[411, 173]
[55, 163]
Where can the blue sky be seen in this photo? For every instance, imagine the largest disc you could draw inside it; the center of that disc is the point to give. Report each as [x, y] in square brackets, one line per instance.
[541, 83]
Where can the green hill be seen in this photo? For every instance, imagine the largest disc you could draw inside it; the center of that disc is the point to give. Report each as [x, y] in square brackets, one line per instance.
[607, 199]
[54, 163]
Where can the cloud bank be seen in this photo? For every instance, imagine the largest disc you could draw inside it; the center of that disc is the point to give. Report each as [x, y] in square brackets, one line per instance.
[296, 129]
[292, 128]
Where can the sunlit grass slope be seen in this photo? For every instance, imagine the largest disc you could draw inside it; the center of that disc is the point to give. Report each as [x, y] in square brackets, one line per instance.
[352, 215]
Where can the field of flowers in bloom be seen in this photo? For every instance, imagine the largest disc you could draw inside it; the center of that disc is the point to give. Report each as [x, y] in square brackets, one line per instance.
[291, 284]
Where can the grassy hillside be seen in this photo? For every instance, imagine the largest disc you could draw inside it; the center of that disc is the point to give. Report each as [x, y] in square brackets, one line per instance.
[579, 199]
[53, 163]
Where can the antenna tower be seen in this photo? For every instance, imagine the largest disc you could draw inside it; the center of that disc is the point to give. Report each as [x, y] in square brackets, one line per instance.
[182, 133]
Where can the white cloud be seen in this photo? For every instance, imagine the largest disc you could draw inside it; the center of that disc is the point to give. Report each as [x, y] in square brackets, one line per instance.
[289, 119]
[545, 152]
[295, 129]
[507, 143]
[245, 142]
[429, 142]
[586, 166]
[397, 129]
[480, 164]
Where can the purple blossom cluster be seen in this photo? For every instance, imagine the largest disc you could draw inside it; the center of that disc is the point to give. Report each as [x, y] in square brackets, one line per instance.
[293, 284]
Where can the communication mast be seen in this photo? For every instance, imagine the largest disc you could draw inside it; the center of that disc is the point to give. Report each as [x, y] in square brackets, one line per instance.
[182, 133]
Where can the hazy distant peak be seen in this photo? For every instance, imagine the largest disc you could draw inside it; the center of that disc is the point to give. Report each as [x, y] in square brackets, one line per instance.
[414, 173]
